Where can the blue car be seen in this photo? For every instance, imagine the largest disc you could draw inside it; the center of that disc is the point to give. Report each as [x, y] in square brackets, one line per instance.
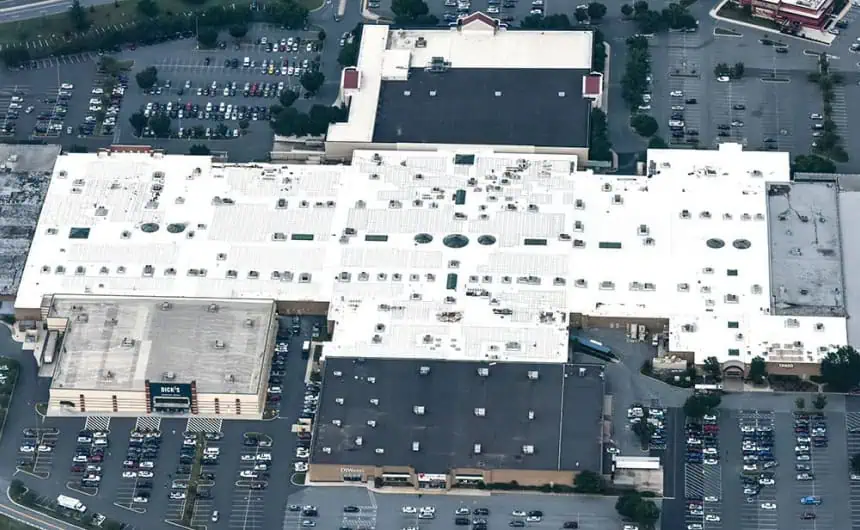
[810, 500]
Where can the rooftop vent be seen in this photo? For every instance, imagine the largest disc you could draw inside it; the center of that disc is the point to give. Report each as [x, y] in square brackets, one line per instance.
[531, 415]
[339, 400]
[533, 375]
[416, 446]
[685, 214]
[476, 449]
[219, 345]
[374, 402]
[212, 308]
[579, 204]
[418, 410]
[371, 423]
[480, 412]
[484, 372]
[528, 449]
[359, 441]
[379, 450]
[127, 342]
[424, 370]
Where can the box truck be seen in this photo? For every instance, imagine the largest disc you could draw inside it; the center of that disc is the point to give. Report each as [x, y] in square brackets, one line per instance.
[71, 503]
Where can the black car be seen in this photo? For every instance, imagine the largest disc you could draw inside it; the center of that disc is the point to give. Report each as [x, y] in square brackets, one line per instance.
[570, 524]
[517, 523]
[690, 101]
[677, 116]
[207, 61]
[677, 134]
[309, 512]
[535, 513]
[144, 484]
[204, 494]
[782, 49]
[739, 107]
[258, 485]
[350, 509]
[462, 521]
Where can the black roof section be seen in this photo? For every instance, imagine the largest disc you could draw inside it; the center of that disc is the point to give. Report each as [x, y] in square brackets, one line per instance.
[466, 110]
[566, 401]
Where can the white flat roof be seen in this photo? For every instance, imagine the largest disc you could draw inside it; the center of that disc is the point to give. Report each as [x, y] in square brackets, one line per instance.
[388, 54]
[534, 239]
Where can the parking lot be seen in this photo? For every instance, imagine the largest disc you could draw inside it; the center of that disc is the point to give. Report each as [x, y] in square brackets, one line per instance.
[73, 123]
[392, 511]
[31, 459]
[852, 425]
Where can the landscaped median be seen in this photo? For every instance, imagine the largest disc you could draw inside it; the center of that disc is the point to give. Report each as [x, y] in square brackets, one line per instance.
[29, 498]
[9, 369]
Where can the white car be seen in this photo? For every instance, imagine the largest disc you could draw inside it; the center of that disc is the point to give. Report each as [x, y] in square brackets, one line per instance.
[261, 467]
[724, 79]
[177, 495]
[144, 474]
[45, 448]
[31, 449]
[248, 458]
[428, 509]
[266, 457]
[129, 474]
[638, 412]
[737, 123]
[248, 474]
[67, 86]
[747, 428]
[692, 441]
[766, 481]
[768, 506]
[141, 500]
[409, 509]
[676, 93]
[79, 459]
[300, 467]
[99, 434]
[816, 116]
[644, 107]
[275, 390]
[679, 123]
[518, 513]
[94, 469]
[680, 108]
[706, 417]
[711, 462]
[694, 526]
[147, 464]
[749, 467]
[711, 498]
[801, 449]
[533, 519]
[98, 91]
[804, 439]
[710, 450]
[711, 518]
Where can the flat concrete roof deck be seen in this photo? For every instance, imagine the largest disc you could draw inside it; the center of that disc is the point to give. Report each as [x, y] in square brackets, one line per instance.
[119, 343]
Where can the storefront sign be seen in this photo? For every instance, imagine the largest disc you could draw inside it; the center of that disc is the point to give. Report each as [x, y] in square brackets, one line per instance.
[351, 471]
[396, 475]
[170, 397]
[432, 477]
[786, 365]
[469, 478]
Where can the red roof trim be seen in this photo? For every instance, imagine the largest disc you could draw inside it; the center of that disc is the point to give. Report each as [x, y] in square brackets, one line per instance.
[592, 85]
[486, 19]
[350, 78]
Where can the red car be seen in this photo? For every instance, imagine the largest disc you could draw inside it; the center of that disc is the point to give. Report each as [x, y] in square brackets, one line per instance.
[96, 459]
[78, 468]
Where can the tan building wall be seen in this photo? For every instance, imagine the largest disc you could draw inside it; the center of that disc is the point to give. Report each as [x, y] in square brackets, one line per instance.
[133, 403]
[803, 370]
[302, 308]
[654, 325]
[337, 473]
[343, 150]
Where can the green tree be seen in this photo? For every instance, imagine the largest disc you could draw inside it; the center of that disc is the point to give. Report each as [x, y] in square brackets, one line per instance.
[840, 370]
[596, 11]
[819, 402]
[589, 482]
[758, 370]
[207, 38]
[627, 504]
[16, 489]
[321, 36]
[80, 20]
[800, 403]
[348, 55]
[147, 8]
[598, 52]
[722, 69]
[581, 14]
[738, 70]
[147, 78]
[287, 98]
[14, 57]
[160, 125]
[138, 122]
[244, 124]
[643, 431]
[626, 10]
[237, 31]
[647, 514]
[813, 164]
[640, 7]
[699, 405]
[644, 125]
[657, 143]
[855, 464]
[600, 148]
[410, 9]
[712, 368]
[312, 81]
[199, 149]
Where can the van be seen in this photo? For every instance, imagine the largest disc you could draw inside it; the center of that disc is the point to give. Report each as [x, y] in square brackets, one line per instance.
[246, 62]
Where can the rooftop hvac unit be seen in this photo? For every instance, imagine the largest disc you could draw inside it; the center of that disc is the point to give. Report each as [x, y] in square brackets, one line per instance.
[339, 401]
[169, 376]
[416, 446]
[337, 373]
[582, 372]
[374, 402]
[336, 423]
[476, 449]
[219, 344]
[528, 449]
[484, 372]
[534, 375]
[359, 441]
[379, 450]
[418, 410]
[127, 342]
[327, 450]
[424, 370]
[213, 308]
[531, 415]
[371, 423]
[480, 411]
[371, 380]
[165, 306]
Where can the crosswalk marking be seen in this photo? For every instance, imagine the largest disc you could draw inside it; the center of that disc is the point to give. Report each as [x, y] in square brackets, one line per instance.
[97, 423]
[147, 423]
[203, 425]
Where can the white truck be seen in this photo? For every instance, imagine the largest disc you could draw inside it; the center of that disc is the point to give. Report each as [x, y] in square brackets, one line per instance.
[71, 503]
[306, 347]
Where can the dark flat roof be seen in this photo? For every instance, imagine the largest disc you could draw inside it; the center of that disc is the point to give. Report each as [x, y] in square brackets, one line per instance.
[465, 109]
[565, 431]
